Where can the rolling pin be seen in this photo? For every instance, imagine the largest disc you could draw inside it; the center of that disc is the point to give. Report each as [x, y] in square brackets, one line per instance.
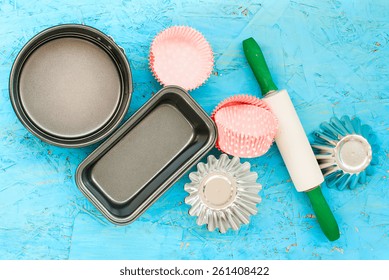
[292, 141]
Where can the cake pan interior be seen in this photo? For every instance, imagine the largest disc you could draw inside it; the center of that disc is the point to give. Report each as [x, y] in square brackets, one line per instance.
[71, 85]
[146, 155]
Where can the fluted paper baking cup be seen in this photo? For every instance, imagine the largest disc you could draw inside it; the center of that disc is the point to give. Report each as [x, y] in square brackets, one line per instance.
[245, 130]
[246, 126]
[241, 99]
[180, 55]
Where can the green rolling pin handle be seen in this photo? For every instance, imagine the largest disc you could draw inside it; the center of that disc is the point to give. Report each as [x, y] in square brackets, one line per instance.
[258, 64]
[324, 215]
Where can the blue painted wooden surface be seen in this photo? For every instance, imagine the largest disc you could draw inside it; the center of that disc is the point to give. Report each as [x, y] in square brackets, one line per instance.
[331, 55]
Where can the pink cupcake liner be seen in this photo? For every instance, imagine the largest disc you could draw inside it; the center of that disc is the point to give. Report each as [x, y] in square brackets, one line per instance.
[246, 126]
[180, 55]
[241, 99]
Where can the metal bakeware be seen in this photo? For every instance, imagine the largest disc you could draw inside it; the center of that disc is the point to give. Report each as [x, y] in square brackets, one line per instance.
[70, 85]
[146, 155]
[223, 193]
[346, 152]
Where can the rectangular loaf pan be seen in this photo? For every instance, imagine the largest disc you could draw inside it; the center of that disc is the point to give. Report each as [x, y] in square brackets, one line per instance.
[146, 155]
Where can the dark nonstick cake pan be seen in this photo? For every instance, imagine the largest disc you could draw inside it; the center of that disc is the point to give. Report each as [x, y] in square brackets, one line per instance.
[146, 155]
[71, 85]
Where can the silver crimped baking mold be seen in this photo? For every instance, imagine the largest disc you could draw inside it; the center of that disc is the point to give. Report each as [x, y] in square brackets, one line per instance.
[345, 150]
[223, 193]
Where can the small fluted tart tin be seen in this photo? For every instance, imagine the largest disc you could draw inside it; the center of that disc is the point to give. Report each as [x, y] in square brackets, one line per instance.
[345, 149]
[223, 193]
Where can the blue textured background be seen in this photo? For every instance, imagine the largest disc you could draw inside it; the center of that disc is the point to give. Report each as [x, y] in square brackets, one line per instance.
[332, 56]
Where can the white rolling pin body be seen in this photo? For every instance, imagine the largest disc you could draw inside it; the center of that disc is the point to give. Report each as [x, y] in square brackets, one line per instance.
[293, 143]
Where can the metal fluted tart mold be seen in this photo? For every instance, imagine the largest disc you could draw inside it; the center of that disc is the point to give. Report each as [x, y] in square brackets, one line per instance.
[180, 55]
[345, 150]
[223, 193]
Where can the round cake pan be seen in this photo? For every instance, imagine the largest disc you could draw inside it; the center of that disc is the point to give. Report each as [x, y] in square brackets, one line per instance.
[71, 85]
